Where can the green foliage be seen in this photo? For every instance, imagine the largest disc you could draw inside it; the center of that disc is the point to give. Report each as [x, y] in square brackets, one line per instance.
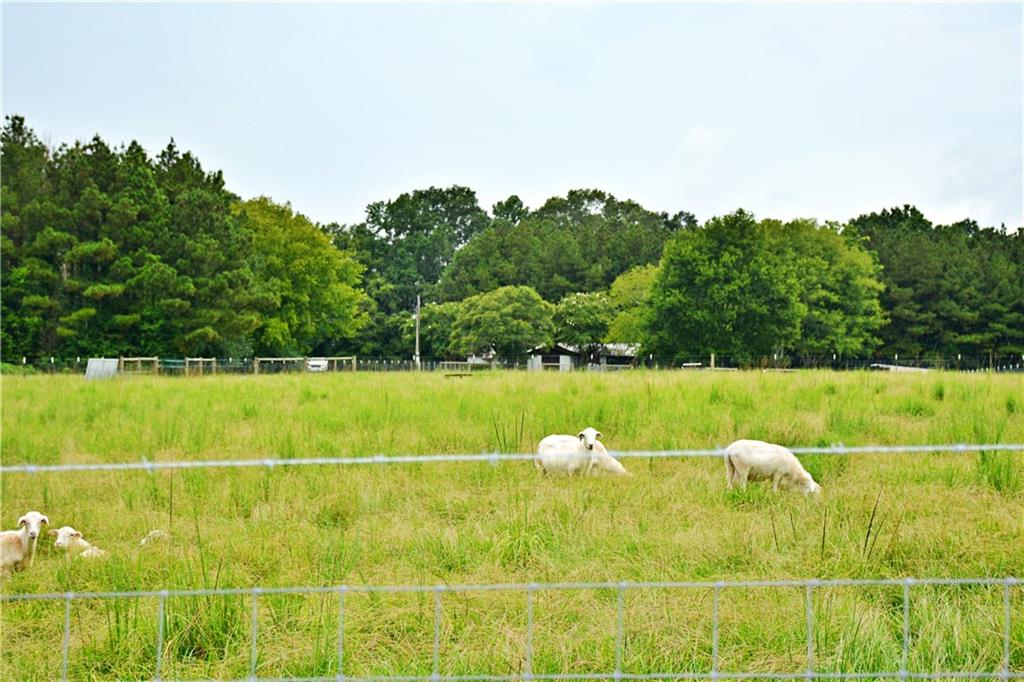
[437, 325]
[509, 320]
[305, 287]
[581, 242]
[948, 289]
[839, 288]
[582, 320]
[407, 242]
[726, 289]
[747, 289]
[108, 251]
[629, 298]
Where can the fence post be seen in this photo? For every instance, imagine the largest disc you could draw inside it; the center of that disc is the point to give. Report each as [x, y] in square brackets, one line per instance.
[714, 630]
[1005, 674]
[436, 669]
[160, 634]
[906, 629]
[255, 630]
[810, 630]
[67, 637]
[619, 605]
[712, 361]
[340, 673]
[528, 672]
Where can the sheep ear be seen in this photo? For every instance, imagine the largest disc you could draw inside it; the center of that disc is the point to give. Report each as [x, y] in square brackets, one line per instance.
[77, 534]
[21, 522]
[45, 520]
[579, 435]
[600, 435]
[52, 532]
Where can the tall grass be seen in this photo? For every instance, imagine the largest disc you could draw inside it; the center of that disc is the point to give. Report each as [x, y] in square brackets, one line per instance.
[880, 516]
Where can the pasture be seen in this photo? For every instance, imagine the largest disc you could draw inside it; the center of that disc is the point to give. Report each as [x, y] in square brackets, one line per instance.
[927, 515]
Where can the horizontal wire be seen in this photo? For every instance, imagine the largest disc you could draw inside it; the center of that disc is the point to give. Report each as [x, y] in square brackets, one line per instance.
[511, 587]
[492, 458]
[649, 676]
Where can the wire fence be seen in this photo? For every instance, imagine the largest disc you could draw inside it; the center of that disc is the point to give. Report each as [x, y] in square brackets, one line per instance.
[168, 366]
[531, 590]
[490, 458]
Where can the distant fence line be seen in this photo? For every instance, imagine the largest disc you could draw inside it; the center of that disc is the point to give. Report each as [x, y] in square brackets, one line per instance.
[529, 590]
[198, 366]
[490, 458]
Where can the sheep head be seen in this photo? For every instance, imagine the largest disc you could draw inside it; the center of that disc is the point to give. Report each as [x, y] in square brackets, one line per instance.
[589, 436]
[33, 521]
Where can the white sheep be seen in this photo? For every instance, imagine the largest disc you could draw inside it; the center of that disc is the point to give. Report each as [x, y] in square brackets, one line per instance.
[18, 547]
[753, 459]
[74, 544]
[578, 454]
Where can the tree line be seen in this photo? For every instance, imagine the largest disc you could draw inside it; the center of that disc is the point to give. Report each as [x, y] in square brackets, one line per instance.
[108, 251]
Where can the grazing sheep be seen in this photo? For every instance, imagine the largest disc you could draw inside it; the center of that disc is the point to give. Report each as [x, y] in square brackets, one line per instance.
[153, 536]
[74, 544]
[578, 454]
[18, 547]
[753, 459]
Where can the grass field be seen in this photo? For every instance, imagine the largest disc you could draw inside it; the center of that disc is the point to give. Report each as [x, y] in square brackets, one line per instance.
[879, 516]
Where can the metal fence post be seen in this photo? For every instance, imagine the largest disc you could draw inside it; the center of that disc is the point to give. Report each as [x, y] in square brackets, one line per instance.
[528, 672]
[619, 605]
[160, 634]
[340, 673]
[714, 630]
[1006, 629]
[67, 636]
[809, 608]
[906, 628]
[436, 669]
[255, 629]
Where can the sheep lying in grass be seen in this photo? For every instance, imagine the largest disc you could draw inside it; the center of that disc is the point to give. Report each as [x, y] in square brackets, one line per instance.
[753, 459]
[18, 547]
[74, 544]
[579, 454]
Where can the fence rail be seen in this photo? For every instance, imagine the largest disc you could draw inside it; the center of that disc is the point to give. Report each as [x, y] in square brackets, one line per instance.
[490, 458]
[265, 365]
[529, 591]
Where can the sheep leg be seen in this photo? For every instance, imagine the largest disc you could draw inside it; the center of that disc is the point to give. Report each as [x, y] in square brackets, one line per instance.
[742, 472]
[730, 472]
[776, 479]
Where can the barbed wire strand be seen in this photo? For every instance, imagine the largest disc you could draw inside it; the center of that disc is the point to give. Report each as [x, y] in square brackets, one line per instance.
[145, 464]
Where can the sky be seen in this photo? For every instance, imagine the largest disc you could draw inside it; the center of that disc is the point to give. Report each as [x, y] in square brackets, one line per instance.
[787, 110]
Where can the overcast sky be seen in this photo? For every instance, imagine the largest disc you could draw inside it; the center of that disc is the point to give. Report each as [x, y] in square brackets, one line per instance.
[787, 110]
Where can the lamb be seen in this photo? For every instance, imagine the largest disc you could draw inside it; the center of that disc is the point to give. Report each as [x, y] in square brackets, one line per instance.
[578, 454]
[74, 544]
[753, 459]
[18, 547]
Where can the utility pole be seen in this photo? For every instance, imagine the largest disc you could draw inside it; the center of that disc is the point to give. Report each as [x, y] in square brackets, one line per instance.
[416, 357]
